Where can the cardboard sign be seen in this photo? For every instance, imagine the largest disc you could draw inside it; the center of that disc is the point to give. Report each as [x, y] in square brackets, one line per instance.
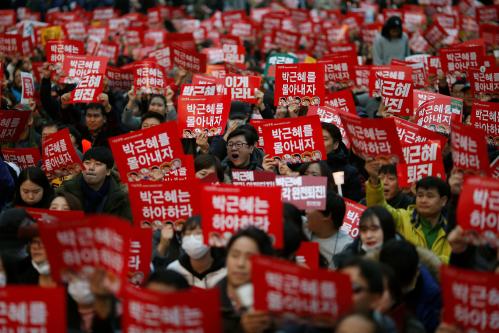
[339, 71]
[396, 95]
[163, 57]
[461, 58]
[59, 155]
[12, 124]
[279, 288]
[484, 84]
[189, 60]
[469, 149]
[341, 100]
[77, 67]
[11, 44]
[119, 79]
[74, 246]
[421, 160]
[242, 88]
[225, 209]
[470, 299]
[56, 50]
[439, 113]
[22, 157]
[330, 115]
[301, 84]
[138, 154]
[156, 204]
[32, 309]
[41, 215]
[27, 88]
[88, 89]
[278, 59]
[206, 114]
[352, 217]
[373, 138]
[294, 140]
[139, 255]
[253, 178]
[194, 310]
[304, 192]
[485, 115]
[149, 78]
[308, 255]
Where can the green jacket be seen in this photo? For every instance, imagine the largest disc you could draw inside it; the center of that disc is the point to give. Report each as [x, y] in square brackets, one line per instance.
[406, 226]
[116, 201]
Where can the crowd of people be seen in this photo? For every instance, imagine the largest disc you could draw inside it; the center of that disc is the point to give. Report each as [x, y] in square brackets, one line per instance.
[405, 235]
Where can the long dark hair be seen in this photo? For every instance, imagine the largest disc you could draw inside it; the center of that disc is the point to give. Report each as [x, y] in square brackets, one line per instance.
[35, 175]
[394, 22]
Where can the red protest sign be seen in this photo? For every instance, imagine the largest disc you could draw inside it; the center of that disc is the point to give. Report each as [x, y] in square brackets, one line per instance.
[23, 157]
[234, 54]
[225, 209]
[331, 115]
[202, 114]
[352, 217]
[149, 78]
[242, 87]
[286, 40]
[469, 149]
[421, 160]
[339, 71]
[12, 124]
[46, 215]
[304, 192]
[396, 96]
[377, 73]
[341, 100]
[373, 138]
[301, 84]
[139, 255]
[194, 310]
[59, 155]
[461, 58]
[278, 289]
[294, 140]
[109, 51]
[439, 113]
[137, 154]
[470, 299]
[163, 57]
[76, 67]
[362, 77]
[88, 89]
[485, 115]
[435, 35]
[11, 44]
[7, 18]
[76, 30]
[484, 84]
[156, 204]
[201, 89]
[100, 241]
[33, 309]
[487, 14]
[189, 60]
[308, 255]
[119, 79]
[55, 50]
[253, 178]
[27, 87]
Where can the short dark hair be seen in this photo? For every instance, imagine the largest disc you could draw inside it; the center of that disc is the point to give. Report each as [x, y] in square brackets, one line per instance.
[168, 278]
[154, 115]
[261, 239]
[386, 220]
[370, 270]
[388, 169]
[205, 161]
[335, 207]
[367, 316]
[333, 130]
[101, 154]
[403, 258]
[96, 106]
[325, 171]
[248, 135]
[292, 231]
[432, 182]
[192, 223]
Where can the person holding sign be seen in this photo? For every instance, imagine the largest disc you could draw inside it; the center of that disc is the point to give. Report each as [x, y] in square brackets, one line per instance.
[422, 224]
[240, 146]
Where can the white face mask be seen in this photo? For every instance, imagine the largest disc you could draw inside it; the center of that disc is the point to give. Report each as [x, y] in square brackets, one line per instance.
[43, 268]
[3, 279]
[80, 291]
[194, 247]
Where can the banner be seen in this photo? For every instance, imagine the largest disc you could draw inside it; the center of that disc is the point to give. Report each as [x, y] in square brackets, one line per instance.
[88, 89]
[485, 116]
[294, 140]
[59, 155]
[202, 114]
[304, 192]
[396, 95]
[330, 115]
[461, 58]
[11, 45]
[163, 57]
[339, 71]
[140, 153]
[253, 178]
[77, 67]
[470, 299]
[194, 310]
[27, 88]
[439, 113]
[377, 73]
[12, 124]
[300, 84]
[352, 217]
[242, 88]
[32, 309]
[156, 204]
[119, 79]
[341, 100]
[226, 209]
[421, 160]
[22, 157]
[484, 84]
[56, 50]
[150, 79]
[139, 255]
[188, 60]
[282, 287]
[469, 149]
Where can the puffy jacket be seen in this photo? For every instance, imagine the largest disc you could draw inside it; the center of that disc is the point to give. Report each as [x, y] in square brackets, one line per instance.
[407, 225]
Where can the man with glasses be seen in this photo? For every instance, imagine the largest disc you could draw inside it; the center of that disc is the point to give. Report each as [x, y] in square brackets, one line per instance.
[241, 151]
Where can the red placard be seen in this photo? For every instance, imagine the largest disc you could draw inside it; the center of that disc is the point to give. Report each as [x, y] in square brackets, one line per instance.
[369, 31]
[470, 299]
[484, 84]
[435, 35]
[253, 178]
[362, 75]
[244, 29]
[156, 204]
[279, 288]
[33, 309]
[485, 115]
[189, 60]
[139, 255]
[487, 14]
[27, 87]
[234, 54]
[469, 149]
[294, 140]
[201, 89]
[439, 113]
[286, 40]
[88, 89]
[389, 72]
[396, 95]
[149, 78]
[103, 13]
[373, 138]
[200, 114]
[163, 57]
[59, 155]
[243, 87]
[489, 33]
[195, 310]
[304, 192]
[352, 217]
[339, 71]
[11, 44]
[341, 100]
[74, 246]
[46, 215]
[410, 133]
[301, 84]
[331, 115]
[109, 51]
[55, 50]
[421, 160]
[7, 18]
[12, 124]
[225, 209]
[137, 154]
[308, 255]
[23, 157]
[119, 79]
[76, 30]
[461, 58]
[77, 67]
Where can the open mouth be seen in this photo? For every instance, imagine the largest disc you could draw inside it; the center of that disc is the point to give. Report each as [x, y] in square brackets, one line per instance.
[234, 156]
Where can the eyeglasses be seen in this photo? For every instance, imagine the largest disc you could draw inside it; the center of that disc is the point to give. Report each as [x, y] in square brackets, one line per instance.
[238, 145]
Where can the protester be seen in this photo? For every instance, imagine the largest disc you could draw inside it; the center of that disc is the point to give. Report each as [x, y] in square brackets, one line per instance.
[33, 190]
[392, 43]
[65, 201]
